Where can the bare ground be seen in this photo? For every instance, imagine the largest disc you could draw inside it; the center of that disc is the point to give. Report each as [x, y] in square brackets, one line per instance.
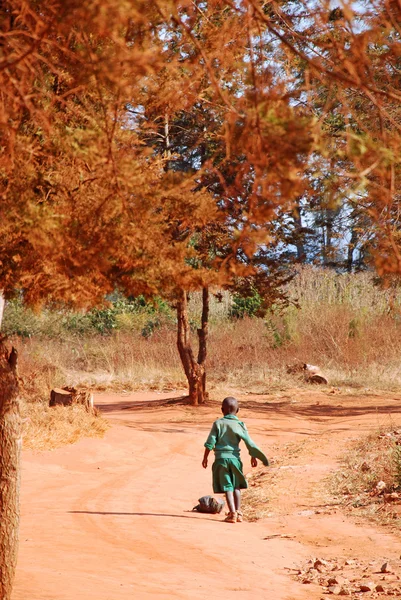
[109, 519]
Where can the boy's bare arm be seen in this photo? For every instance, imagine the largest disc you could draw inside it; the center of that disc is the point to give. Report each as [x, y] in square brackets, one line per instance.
[205, 457]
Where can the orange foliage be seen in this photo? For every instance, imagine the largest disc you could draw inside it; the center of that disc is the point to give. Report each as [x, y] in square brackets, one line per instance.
[92, 98]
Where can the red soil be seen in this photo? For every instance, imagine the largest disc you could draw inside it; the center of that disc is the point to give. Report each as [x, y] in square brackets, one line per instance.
[107, 519]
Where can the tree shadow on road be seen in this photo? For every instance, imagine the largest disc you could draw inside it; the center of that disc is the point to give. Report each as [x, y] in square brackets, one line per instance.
[319, 411]
[272, 409]
[140, 405]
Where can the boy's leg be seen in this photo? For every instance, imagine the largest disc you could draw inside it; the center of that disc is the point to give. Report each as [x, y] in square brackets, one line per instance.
[237, 499]
[230, 501]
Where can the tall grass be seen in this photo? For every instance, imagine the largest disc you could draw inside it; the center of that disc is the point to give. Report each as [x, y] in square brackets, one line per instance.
[343, 323]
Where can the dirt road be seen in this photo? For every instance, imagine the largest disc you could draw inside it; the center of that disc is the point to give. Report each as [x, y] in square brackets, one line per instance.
[109, 519]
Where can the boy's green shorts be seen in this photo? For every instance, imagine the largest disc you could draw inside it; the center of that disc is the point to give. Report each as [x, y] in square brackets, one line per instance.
[228, 475]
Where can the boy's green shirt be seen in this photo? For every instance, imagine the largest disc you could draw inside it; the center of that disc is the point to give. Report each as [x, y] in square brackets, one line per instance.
[225, 436]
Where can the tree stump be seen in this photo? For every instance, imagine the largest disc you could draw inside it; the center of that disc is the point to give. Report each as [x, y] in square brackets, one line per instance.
[61, 397]
[68, 395]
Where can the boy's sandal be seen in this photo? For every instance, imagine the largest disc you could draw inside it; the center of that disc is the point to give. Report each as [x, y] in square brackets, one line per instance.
[231, 517]
[240, 516]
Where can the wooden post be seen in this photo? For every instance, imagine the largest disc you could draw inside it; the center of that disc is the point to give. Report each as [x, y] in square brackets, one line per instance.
[10, 457]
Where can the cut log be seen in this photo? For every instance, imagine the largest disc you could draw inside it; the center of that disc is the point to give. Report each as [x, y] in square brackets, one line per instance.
[318, 379]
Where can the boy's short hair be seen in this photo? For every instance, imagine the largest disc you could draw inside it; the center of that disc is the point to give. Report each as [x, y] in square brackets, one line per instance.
[230, 405]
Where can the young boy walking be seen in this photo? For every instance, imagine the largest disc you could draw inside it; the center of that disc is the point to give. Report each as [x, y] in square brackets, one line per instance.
[224, 439]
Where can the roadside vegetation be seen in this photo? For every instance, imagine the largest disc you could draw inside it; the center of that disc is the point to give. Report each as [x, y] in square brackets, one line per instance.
[46, 428]
[344, 323]
[368, 481]
[255, 504]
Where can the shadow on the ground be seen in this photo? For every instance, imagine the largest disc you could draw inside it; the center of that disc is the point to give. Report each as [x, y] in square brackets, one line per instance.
[315, 411]
[153, 428]
[137, 514]
[319, 411]
[314, 415]
[140, 405]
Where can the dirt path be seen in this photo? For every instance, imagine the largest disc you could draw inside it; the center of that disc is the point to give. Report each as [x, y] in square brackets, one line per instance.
[107, 519]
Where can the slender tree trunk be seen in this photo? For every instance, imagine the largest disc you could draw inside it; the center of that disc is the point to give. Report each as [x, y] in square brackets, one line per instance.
[167, 152]
[203, 333]
[329, 240]
[2, 304]
[195, 370]
[10, 450]
[299, 238]
[351, 248]
[324, 250]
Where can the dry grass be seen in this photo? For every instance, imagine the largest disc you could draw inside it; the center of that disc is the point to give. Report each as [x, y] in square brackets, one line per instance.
[241, 356]
[44, 427]
[372, 459]
[47, 428]
[122, 361]
[255, 502]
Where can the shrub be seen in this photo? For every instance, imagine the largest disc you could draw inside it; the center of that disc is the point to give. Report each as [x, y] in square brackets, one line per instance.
[119, 313]
[248, 306]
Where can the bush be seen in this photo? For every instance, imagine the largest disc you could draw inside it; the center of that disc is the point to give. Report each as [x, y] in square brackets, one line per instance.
[19, 320]
[245, 306]
[120, 313]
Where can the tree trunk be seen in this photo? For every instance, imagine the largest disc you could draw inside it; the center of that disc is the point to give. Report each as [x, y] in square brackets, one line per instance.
[195, 370]
[351, 248]
[2, 304]
[10, 450]
[299, 237]
[329, 239]
[203, 332]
